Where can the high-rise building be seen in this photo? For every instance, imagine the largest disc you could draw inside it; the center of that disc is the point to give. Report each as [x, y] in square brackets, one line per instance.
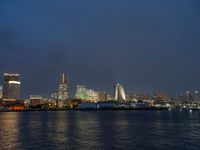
[1, 91]
[81, 92]
[119, 92]
[11, 87]
[63, 91]
[86, 94]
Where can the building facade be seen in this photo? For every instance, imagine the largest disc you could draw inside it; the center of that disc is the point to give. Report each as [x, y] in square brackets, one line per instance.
[36, 100]
[86, 94]
[119, 92]
[63, 91]
[11, 87]
[81, 92]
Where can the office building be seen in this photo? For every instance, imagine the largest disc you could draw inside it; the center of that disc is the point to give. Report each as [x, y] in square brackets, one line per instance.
[86, 94]
[11, 87]
[81, 92]
[36, 100]
[63, 91]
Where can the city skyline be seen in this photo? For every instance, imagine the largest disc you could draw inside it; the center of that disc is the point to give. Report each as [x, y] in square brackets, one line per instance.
[62, 91]
[146, 46]
[107, 74]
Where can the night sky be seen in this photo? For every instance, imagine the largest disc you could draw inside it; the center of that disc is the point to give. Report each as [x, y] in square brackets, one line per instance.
[146, 45]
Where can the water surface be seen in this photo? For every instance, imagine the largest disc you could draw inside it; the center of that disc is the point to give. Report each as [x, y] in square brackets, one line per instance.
[100, 130]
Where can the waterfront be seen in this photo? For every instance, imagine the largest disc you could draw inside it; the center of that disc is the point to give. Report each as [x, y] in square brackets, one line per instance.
[100, 130]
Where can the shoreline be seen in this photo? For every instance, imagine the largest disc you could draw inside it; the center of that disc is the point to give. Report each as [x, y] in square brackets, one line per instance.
[104, 109]
[91, 109]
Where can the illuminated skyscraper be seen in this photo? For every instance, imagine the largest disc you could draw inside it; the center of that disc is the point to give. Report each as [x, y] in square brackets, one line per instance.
[63, 92]
[86, 94]
[81, 92]
[119, 92]
[11, 87]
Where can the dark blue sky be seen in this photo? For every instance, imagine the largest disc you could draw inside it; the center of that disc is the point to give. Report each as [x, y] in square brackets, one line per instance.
[146, 45]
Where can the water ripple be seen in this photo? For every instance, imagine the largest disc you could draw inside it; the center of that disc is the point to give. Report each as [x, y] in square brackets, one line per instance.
[99, 130]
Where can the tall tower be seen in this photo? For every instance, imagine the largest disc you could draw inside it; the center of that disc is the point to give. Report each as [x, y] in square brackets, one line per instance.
[63, 92]
[119, 92]
[11, 87]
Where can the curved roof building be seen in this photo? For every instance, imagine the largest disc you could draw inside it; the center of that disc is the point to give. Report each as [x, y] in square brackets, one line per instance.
[119, 92]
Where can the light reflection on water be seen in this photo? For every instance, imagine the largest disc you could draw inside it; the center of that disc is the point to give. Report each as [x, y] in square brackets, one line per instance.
[99, 130]
[9, 130]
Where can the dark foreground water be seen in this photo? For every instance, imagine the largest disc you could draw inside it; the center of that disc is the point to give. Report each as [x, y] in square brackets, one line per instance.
[100, 130]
